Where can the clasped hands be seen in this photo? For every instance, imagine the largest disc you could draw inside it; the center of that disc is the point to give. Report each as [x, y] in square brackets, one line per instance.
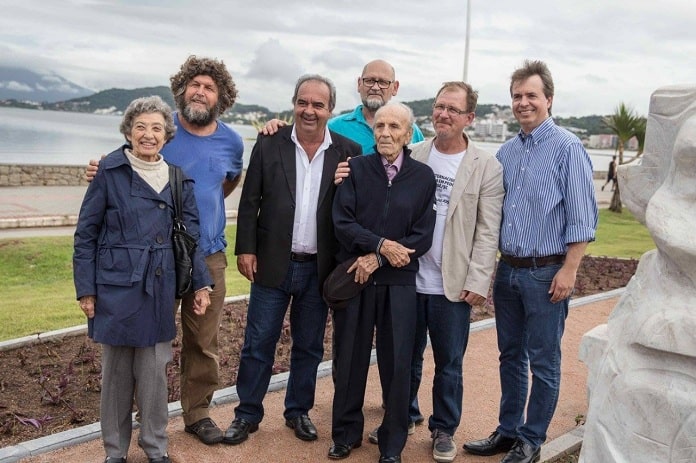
[397, 254]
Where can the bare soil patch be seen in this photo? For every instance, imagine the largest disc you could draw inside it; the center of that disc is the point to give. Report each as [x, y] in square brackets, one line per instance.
[54, 386]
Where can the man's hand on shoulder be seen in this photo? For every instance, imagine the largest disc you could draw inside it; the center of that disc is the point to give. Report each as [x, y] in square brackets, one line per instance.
[342, 171]
[272, 126]
[92, 168]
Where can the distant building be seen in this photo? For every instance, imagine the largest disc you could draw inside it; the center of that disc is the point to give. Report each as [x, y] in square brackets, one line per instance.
[602, 141]
[490, 128]
[609, 141]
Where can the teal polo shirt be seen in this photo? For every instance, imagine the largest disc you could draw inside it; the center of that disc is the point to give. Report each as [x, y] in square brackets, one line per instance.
[354, 126]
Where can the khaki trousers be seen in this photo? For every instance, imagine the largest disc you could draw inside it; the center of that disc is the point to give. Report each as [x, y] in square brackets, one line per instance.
[199, 350]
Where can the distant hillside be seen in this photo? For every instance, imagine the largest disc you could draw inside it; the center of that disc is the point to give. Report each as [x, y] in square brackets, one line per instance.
[25, 85]
[113, 100]
[23, 88]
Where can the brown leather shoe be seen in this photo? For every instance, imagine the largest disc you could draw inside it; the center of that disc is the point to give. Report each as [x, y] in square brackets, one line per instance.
[495, 443]
[206, 430]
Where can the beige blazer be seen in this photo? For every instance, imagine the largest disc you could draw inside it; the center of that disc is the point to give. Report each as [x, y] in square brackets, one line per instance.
[474, 213]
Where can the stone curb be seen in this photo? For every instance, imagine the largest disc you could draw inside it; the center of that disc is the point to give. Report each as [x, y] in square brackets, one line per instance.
[550, 452]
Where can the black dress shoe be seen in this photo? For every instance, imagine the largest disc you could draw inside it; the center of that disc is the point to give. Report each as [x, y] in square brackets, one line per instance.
[114, 460]
[341, 451]
[304, 429]
[396, 459]
[495, 443]
[522, 452]
[239, 431]
[164, 459]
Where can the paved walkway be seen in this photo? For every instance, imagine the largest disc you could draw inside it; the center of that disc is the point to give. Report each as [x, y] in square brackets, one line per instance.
[274, 442]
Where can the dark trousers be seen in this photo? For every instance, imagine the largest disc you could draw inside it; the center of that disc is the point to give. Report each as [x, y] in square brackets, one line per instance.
[267, 307]
[392, 310]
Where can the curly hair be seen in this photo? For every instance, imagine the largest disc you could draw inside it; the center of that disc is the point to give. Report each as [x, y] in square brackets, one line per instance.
[148, 105]
[194, 66]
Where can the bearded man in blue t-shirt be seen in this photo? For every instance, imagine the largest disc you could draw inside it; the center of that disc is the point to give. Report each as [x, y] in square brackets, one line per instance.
[209, 152]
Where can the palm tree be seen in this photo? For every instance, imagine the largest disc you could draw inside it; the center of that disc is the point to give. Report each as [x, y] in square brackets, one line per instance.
[639, 133]
[623, 123]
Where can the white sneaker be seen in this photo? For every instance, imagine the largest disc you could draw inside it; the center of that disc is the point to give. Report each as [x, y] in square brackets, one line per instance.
[444, 448]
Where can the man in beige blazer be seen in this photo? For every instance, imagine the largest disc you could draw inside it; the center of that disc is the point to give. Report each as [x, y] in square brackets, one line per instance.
[456, 273]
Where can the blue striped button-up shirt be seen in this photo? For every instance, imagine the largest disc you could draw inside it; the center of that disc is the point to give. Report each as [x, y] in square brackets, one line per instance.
[549, 192]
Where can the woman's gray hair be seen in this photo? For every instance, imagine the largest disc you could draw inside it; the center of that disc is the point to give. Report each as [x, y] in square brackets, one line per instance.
[148, 105]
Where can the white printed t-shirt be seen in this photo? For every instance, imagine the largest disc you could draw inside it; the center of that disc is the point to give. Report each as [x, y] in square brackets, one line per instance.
[445, 166]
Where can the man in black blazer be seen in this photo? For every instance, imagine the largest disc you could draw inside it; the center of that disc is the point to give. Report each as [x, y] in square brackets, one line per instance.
[286, 248]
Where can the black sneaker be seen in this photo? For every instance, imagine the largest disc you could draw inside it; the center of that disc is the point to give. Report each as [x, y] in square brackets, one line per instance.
[206, 430]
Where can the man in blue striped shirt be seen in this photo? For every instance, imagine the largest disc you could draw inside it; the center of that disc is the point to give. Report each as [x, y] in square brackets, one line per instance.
[549, 217]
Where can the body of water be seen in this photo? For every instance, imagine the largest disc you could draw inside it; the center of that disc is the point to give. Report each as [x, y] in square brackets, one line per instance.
[29, 136]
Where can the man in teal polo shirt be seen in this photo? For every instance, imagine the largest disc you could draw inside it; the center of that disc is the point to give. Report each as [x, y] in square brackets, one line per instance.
[377, 85]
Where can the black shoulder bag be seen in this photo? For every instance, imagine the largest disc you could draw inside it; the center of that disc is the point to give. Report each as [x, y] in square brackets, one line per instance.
[183, 243]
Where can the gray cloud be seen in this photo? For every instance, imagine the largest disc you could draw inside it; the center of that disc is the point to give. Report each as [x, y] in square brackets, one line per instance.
[600, 53]
[272, 61]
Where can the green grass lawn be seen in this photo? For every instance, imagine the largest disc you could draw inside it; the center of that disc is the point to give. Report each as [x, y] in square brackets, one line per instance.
[39, 296]
[620, 235]
[38, 293]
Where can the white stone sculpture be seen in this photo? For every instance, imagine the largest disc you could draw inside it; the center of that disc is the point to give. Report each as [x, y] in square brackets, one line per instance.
[642, 363]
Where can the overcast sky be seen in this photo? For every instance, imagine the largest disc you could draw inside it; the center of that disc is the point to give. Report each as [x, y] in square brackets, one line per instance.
[600, 52]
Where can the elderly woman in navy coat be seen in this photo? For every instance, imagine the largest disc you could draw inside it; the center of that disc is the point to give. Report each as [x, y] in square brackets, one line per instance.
[125, 277]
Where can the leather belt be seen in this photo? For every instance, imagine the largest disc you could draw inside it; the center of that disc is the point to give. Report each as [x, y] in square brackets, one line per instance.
[302, 257]
[528, 262]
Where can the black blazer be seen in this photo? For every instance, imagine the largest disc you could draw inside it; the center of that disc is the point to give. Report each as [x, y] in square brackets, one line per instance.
[267, 206]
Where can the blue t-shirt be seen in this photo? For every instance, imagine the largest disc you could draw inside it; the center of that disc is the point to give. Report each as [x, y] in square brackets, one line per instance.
[354, 126]
[208, 160]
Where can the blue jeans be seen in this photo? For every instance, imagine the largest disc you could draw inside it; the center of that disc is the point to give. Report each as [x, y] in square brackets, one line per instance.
[448, 323]
[267, 307]
[530, 329]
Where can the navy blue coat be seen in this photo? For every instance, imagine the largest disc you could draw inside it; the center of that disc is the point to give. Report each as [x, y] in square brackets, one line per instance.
[368, 207]
[123, 255]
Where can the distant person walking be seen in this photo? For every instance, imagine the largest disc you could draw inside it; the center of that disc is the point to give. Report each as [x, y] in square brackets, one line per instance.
[611, 174]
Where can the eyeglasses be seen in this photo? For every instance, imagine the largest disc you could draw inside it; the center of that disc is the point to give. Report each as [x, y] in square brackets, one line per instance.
[440, 108]
[369, 82]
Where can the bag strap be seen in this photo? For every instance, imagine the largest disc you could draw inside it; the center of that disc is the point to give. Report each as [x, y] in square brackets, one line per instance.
[175, 184]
